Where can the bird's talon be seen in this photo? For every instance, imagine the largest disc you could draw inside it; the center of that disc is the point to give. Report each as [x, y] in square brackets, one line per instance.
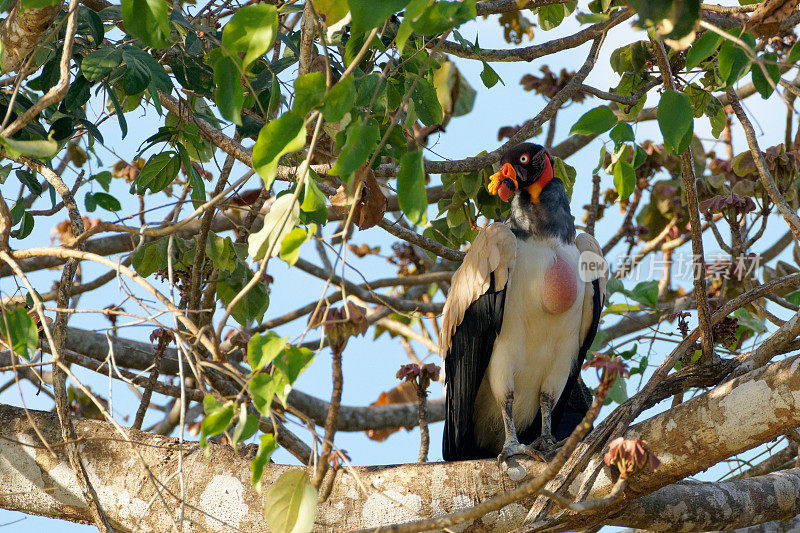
[545, 444]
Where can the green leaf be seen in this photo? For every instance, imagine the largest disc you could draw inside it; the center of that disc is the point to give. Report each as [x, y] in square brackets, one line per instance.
[137, 75]
[488, 76]
[340, 100]
[677, 15]
[762, 84]
[5, 170]
[147, 20]
[314, 206]
[221, 252]
[368, 14]
[309, 91]
[614, 285]
[794, 297]
[704, 46]
[218, 418]
[289, 366]
[645, 292]
[77, 94]
[621, 133]
[283, 135]
[628, 354]
[754, 324]
[595, 121]
[148, 70]
[229, 95]
[426, 103]
[43, 149]
[18, 331]
[104, 200]
[716, 115]
[262, 388]
[256, 301]
[639, 156]
[551, 16]
[25, 228]
[150, 257]
[361, 141]
[414, 9]
[194, 179]
[31, 183]
[290, 503]
[123, 124]
[618, 392]
[159, 171]
[733, 61]
[265, 449]
[90, 25]
[624, 178]
[101, 62]
[281, 219]
[675, 120]
[441, 16]
[565, 173]
[263, 348]
[246, 426]
[698, 98]
[411, 192]
[618, 309]
[794, 53]
[251, 32]
[331, 11]
[89, 203]
[290, 245]
[630, 58]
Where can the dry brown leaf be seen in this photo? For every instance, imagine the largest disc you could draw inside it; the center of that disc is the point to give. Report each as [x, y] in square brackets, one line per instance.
[766, 19]
[371, 204]
[404, 393]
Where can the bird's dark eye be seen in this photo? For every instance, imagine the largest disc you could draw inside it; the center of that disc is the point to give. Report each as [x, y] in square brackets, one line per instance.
[524, 158]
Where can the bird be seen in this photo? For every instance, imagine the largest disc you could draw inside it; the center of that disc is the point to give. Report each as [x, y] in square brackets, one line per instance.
[521, 314]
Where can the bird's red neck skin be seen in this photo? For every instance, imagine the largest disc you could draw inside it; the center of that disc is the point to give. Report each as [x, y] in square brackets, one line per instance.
[547, 174]
[504, 183]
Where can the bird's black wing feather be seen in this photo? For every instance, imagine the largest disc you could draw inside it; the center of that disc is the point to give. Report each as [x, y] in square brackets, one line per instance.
[465, 364]
[575, 400]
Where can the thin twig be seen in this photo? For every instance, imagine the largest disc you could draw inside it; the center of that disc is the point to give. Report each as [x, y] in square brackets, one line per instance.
[690, 187]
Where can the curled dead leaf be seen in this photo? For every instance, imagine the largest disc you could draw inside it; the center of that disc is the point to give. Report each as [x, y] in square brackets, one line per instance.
[370, 205]
[404, 393]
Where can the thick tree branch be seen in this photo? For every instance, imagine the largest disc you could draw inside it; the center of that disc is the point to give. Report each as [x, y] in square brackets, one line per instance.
[715, 506]
[747, 411]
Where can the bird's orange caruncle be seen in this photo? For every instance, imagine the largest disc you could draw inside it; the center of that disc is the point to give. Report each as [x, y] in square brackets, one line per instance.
[504, 183]
[498, 184]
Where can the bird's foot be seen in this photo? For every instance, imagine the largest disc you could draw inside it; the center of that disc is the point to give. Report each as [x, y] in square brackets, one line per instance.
[511, 449]
[545, 444]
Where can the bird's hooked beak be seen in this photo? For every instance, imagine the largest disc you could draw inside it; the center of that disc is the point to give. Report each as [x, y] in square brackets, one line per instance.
[504, 183]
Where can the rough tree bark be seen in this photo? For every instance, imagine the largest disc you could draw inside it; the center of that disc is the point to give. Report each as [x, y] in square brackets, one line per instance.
[22, 31]
[729, 419]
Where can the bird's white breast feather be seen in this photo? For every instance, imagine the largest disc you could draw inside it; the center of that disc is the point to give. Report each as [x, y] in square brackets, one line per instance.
[535, 350]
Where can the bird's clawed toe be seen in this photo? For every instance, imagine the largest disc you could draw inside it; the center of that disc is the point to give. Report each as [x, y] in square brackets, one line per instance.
[545, 444]
[516, 449]
[510, 449]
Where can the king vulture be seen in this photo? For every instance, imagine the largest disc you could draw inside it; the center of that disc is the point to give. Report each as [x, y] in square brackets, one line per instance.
[519, 319]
